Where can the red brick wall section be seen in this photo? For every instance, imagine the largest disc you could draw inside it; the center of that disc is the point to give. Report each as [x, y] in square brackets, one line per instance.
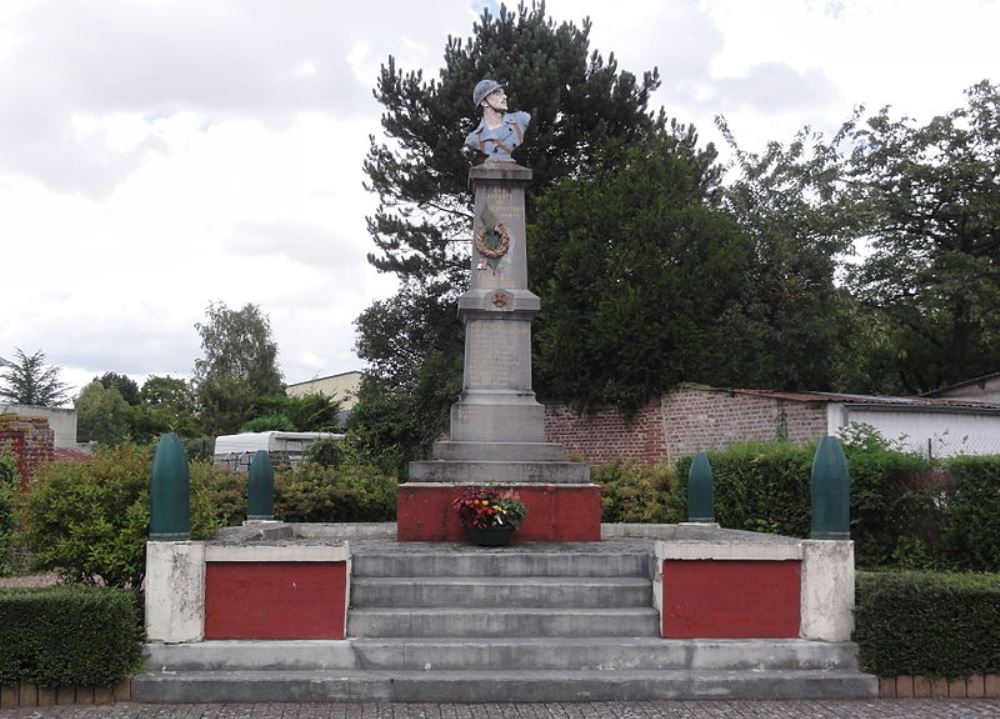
[31, 439]
[605, 436]
[699, 420]
[684, 422]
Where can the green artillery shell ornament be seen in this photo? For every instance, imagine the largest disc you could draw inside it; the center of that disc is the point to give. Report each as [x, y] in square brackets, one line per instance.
[492, 240]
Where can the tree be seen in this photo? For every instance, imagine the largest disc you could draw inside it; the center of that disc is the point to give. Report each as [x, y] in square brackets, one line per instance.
[422, 226]
[932, 201]
[168, 405]
[103, 416]
[29, 382]
[126, 386]
[576, 101]
[638, 272]
[794, 323]
[238, 345]
[239, 366]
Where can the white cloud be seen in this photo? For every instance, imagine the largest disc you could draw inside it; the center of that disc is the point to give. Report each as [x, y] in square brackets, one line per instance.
[156, 156]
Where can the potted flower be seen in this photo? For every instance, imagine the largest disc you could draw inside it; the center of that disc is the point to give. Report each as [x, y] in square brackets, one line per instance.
[489, 515]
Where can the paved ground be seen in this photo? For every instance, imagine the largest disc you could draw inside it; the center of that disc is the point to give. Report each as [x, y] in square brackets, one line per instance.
[875, 709]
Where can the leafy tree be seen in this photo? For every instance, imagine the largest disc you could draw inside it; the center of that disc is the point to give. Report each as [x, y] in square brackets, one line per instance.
[126, 386]
[792, 318]
[167, 405]
[638, 272]
[102, 415]
[577, 101]
[309, 413]
[29, 382]
[239, 365]
[932, 205]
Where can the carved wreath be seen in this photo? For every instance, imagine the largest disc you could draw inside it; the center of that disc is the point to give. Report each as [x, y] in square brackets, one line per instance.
[501, 247]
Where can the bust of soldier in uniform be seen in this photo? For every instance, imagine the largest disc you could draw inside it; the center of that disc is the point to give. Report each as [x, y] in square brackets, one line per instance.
[499, 132]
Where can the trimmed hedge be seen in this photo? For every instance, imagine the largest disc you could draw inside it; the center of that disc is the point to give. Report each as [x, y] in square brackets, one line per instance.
[972, 513]
[68, 636]
[761, 487]
[633, 492]
[931, 624]
[897, 515]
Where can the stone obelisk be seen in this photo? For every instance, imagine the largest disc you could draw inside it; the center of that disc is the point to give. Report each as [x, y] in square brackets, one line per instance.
[497, 433]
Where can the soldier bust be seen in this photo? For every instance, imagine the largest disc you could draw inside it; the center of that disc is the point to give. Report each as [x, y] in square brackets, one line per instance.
[499, 132]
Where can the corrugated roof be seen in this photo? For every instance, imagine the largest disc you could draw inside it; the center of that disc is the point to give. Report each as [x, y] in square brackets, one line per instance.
[841, 397]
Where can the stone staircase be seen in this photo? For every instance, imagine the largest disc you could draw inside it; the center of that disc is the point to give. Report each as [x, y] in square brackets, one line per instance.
[453, 623]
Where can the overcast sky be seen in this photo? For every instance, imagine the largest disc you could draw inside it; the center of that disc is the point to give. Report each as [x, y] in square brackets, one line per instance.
[158, 155]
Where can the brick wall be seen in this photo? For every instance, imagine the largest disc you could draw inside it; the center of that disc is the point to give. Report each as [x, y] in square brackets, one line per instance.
[605, 435]
[31, 439]
[699, 420]
[682, 423]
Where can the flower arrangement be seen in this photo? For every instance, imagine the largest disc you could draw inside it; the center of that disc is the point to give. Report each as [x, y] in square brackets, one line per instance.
[487, 508]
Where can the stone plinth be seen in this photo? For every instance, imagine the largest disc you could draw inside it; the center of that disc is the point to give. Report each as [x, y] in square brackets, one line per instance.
[497, 431]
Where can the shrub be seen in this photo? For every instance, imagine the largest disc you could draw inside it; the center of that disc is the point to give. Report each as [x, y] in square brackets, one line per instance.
[945, 625]
[762, 487]
[896, 498]
[66, 636]
[311, 492]
[268, 423]
[972, 513]
[895, 501]
[90, 522]
[633, 492]
[8, 486]
[327, 452]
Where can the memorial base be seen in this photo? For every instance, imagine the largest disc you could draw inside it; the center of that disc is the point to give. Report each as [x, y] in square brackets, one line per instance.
[556, 513]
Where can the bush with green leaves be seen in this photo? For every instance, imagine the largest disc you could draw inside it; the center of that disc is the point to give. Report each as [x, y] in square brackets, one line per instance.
[972, 513]
[89, 522]
[68, 636]
[895, 501]
[310, 492]
[640, 493]
[762, 487]
[327, 452]
[8, 486]
[933, 624]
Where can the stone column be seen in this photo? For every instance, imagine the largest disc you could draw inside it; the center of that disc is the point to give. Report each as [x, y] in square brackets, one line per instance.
[497, 433]
[497, 418]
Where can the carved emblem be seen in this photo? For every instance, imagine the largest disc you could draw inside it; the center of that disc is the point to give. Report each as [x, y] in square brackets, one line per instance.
[499, 300]
[491, 239]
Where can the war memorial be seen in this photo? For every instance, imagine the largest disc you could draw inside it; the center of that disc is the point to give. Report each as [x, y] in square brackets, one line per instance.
[570, 610]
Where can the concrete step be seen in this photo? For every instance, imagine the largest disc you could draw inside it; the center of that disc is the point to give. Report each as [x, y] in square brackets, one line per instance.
[570, 592]
[608, 654]
[501, 686]
[499, 472]
[477, 623]
[499, 451]
[464, 561]
[434, 653]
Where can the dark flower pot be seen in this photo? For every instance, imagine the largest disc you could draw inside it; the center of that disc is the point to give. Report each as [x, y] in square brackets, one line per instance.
[490, 536]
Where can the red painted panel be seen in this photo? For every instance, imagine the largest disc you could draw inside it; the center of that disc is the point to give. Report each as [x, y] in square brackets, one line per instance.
[556, 513]
[275, 600]
[731, 599]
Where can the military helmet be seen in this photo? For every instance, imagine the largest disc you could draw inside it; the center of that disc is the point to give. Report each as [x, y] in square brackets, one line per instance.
[484, 88]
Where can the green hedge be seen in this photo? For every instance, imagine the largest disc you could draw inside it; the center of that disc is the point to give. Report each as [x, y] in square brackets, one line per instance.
[762, 487]
[972, 513]
[897, 515]
[68, 636]
[8, 486]
[941, 625]
[310, 492]
[633, 492]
